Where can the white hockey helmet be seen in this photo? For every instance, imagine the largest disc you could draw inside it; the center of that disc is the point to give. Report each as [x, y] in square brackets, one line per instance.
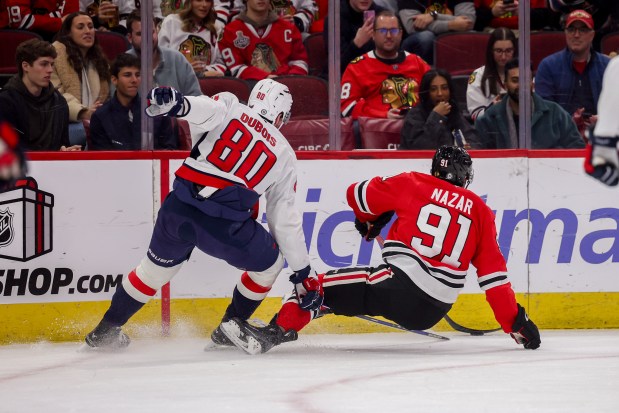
[270, 98]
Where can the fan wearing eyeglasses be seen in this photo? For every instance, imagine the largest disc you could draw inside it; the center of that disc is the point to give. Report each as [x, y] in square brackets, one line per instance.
[573, 76]
[384, 82]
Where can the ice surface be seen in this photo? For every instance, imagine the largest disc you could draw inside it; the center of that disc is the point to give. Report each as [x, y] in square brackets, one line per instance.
[573, 371]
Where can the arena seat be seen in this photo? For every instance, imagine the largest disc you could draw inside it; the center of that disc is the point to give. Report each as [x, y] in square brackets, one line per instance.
[213, 85]
[460, 53]
[460, 84]
[10, 39]
[313, 134]
[544, 44]
[380, 133]
[184, 134]
[316, 53]
[112, 44]
[610, 43]
[310, 96]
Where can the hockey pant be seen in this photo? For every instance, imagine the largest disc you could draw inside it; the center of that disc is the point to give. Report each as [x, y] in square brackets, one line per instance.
[220, 226]
[375, 291]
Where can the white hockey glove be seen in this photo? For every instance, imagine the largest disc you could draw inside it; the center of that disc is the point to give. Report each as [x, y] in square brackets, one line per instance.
[308, 289]
[166, 101]
[602, 160]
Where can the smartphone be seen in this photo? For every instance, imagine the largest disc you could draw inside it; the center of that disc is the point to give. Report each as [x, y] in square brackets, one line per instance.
[404, 110]
[508, 2]
[368, 15]
[586, 115]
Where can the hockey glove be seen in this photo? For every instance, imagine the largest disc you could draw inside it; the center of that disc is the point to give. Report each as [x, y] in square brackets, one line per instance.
[601, 159]
[371, 229]
[524, 331]
[308, 289]
[164, 101]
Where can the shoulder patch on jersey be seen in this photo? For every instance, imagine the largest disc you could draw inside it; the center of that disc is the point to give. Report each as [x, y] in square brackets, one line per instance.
[472, 77]
[241, 40]
[356, 60]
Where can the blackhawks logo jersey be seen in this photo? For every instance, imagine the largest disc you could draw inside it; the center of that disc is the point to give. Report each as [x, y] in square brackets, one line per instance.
[371, 85]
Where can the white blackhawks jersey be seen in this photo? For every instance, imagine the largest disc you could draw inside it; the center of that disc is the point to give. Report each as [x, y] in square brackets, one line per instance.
[232, 143]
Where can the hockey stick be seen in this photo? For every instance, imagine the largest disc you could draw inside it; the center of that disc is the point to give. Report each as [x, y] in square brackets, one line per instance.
[449, 320]
[399, 327]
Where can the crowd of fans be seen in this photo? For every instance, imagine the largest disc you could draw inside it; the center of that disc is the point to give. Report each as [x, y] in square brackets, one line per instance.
[66, 95]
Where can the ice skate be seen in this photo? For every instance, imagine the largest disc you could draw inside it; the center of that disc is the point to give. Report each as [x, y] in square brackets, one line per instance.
[218, 340]
[255, 340]
[107, 336]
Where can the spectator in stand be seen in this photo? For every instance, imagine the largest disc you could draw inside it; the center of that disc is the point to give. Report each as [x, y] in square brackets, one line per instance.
[487, 83]
[356, 29]
[169, 66]
[424, 20]
[260, 45]
[43, 17]
[81, 72]
[605, 15]
[192, 32]
[117, 124]
[573, 76]
[382, 83]
[112, 14]
[301, 13]
[318, 24]
[498, 13]
[32, 105]
[551, 126]
[437, 121]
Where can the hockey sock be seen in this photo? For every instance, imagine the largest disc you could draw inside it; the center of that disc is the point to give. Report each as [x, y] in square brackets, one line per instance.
[291, 317]
[122, 308]
[241, 306]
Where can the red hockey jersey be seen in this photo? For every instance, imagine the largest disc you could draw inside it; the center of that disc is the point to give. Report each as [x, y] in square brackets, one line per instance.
[39, 15]
[252, 53]
[370, 86]
[439, 231]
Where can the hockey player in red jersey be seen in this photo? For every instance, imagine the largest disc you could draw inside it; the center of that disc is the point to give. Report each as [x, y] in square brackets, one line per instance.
[380, 83]
[259, 45]
[441, 228]
[238, 155]
[42, 16]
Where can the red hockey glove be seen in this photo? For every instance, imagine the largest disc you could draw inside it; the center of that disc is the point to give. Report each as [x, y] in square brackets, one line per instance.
[371, 229]
[601, 159]
[308, 289]
[524, 331]
[165, 101]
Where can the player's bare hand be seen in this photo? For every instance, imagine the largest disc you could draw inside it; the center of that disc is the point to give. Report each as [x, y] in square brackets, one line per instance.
[422, 21]
[460, 24]
[394, 114]
[442, 108]
[364, 33]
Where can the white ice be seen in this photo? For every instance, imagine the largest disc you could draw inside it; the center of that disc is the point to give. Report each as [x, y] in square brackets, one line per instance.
[573, 371]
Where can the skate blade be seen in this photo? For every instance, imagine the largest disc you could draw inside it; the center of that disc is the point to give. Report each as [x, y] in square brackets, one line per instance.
[233, 331]
[212, 346]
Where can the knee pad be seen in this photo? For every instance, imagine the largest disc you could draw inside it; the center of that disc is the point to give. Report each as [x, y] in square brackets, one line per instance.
[144, 282]
[256, 285]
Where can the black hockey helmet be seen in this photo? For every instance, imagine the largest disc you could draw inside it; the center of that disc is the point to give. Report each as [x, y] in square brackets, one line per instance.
[453, 164]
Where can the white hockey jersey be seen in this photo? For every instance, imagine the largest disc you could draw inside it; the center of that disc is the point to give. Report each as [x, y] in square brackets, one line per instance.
[198, 44]
[305, 10]
[476, 100]
[608, 121]
[232, 144]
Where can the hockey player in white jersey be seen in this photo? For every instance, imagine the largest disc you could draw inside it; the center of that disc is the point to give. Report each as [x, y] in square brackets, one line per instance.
[602, 159]
[238, 154]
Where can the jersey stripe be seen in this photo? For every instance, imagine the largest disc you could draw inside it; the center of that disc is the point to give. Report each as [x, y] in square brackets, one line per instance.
[489, 281]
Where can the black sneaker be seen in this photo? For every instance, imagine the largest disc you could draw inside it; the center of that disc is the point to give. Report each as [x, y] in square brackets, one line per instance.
[255, 340]
[108, 336]
[219, 338]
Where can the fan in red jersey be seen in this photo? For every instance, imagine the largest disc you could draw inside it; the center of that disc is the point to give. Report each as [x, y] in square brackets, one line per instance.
[259, 44]
[384, 82]
[41, 16]
[441, 228]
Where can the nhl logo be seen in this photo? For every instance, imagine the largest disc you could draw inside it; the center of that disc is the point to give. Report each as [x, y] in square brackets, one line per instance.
[6, 228]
